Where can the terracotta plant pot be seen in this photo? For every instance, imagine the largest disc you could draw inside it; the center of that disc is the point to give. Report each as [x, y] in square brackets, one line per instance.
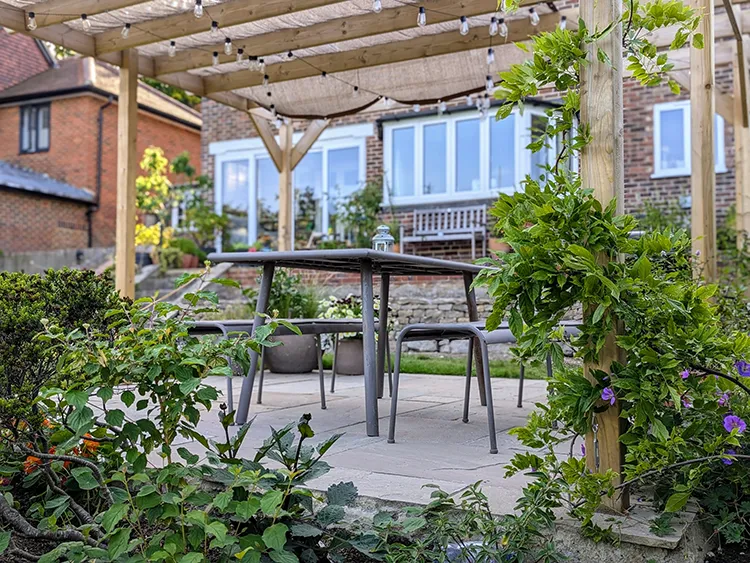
[296, 354]
[189, 261]
[350, 358]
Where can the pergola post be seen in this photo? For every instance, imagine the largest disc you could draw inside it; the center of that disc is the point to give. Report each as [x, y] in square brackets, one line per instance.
[127, 168]
[702, 158]
[602, 170]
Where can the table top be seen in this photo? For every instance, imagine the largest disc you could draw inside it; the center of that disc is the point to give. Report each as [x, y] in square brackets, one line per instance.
[350, 260]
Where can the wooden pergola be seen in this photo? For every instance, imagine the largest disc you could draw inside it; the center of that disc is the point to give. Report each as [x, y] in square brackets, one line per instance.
[314, 60]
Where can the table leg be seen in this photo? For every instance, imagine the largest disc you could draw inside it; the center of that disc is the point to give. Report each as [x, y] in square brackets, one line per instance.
[368, 339]
[246, 395]
[385, 283]
[471, 302]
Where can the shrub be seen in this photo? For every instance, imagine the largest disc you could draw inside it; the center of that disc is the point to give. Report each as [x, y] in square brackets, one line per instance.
[289, 297]
[188, 246]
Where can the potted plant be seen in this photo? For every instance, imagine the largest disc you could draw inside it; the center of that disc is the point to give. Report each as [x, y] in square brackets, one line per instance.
[290, 299]
[349, 350]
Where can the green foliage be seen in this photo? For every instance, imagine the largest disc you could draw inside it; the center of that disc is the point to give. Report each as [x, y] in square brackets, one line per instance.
[170, 258]
[360, 212]
[178, 94]
[188, 246]
[290, 298]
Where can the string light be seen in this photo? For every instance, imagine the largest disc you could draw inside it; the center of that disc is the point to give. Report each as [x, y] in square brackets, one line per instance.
[323, 75]
[416, 108]
[174, 3]
[31, 22]
[377, 6]
[464, 27]
[486, 101]
[469, 100]
[125, 31]
[279, 122]
[262, 65]
[421, 17]
[215, 29]
[502, 28]
[489, 85]
[503, 6]
[290, 55]
[252, 62]
[228, 46]
[85, 22]
[533, 16]
[240, 52]
[215, 58]
[273, 110]
[387, 101]
[490, 56]
[563, 22]
[265, 80]
[172, 48]
[356, 91]
[198, 9]
[493, 26]
[442, 107]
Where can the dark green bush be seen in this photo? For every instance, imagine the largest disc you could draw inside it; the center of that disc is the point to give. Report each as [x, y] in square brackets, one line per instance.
[68, 298]
[188, 247]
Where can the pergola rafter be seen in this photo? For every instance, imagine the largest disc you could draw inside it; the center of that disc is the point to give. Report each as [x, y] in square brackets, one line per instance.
[61, 11]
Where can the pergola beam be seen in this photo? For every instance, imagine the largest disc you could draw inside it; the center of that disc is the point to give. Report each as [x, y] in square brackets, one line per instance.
[60, 11]
[314, 130]
[388, 53]
[266, 134]
[227, 14]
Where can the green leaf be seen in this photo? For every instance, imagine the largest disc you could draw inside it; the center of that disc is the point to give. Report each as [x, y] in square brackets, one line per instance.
[118, 543]
[330, 515]
[698, 41]
[77, 398]
[271, 501]
[189, 386]
[247, 508]
[283, 557]
[342, 494]
[411, 525]
[275, 536]
[4, 541]
[128, 398]
[677, 502]
[85, 478]
[115, 513]
[218, 530]
[192, 557]
[189, 457]
[115, 417]
[303, 530]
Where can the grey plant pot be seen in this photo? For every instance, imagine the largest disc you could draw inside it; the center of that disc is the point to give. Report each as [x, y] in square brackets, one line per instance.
[296, 354]
[350, 358]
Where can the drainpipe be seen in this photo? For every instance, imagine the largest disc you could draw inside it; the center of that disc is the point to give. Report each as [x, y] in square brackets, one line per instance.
[99, 156]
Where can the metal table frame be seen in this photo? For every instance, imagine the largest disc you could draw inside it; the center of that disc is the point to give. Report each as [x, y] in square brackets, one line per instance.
[367, 263]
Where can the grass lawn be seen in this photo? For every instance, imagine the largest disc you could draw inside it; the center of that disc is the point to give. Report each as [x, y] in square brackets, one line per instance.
[456, 365]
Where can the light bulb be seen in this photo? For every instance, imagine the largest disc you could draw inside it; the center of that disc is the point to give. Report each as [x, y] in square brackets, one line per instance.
[356, 91]
[172, 48]
[290, 55]
[252, 62]
[31, 21]
[483, 114]
[563, 22]
[273, 110]
[442, 106]
[125, 31]
[265, 80]
[490, 56]
[323, 75]
[489, 84]
[215, 29]
[174, 4]
[239, 54]
[85, 22]
[503, 6]
[198, 9]
[215, 58]
[421, 17]
[377, 6]
[533, 16]
[262, 65]
[279, 123]
[387, 101]
[464, 27]
[493, 26]
[502, 28]
[486, 102]
[416, 108]
[469, 100]
[228, 46]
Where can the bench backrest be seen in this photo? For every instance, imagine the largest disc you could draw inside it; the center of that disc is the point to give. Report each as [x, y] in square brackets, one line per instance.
[450, 220]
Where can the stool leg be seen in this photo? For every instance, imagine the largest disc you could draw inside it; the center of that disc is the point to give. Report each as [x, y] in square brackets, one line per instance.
[262, 375]
[467, 390]
[321, 374]
[335, 355]
[520, 386]
[394, 394]
[390, 369]
[488, 394]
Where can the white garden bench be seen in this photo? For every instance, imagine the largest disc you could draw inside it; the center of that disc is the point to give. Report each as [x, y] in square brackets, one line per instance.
[443, 224]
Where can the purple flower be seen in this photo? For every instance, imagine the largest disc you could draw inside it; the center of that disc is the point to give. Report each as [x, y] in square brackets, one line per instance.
[685, 373]
[732, 421]
[697, 252]
[723, 400]
[726, 460]
[608, 395]
[687, 402]
[583, 449]
[743, 368]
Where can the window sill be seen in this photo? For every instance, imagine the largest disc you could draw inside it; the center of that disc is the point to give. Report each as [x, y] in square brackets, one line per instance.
[682, 174]
[439, 199]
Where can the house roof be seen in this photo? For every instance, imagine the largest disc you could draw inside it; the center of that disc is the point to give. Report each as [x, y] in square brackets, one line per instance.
[81, 74]
[26, 180]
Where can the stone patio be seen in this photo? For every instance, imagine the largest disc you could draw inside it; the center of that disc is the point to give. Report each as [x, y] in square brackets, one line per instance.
[433, 445]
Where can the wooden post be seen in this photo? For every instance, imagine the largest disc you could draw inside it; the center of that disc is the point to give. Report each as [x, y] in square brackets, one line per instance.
[602, 169]
[286, 217]
[127, 169]
[741, 157]
[702, 158]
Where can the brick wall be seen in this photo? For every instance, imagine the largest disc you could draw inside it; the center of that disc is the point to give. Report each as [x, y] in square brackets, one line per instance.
[73, 152]
[20, 58]
[33, 222]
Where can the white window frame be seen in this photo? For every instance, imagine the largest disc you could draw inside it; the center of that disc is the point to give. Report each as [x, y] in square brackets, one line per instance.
[522, 136]
[252, 149]
[720, 132]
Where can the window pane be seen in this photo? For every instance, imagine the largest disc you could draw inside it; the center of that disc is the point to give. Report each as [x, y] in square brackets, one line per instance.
[434, 159]
[467, 155]
[503, 153]
[343, 180]
[43, 128]
[235, 197]
[538, 159]
[25, 129]
[403, 162]
[672, 131]
[308, 194]
[267, 183]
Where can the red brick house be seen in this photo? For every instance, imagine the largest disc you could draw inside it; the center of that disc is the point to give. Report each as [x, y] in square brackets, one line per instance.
[58, 139]
[430, 160]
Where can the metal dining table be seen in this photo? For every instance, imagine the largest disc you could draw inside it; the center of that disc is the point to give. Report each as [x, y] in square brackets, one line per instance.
[367, 263]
